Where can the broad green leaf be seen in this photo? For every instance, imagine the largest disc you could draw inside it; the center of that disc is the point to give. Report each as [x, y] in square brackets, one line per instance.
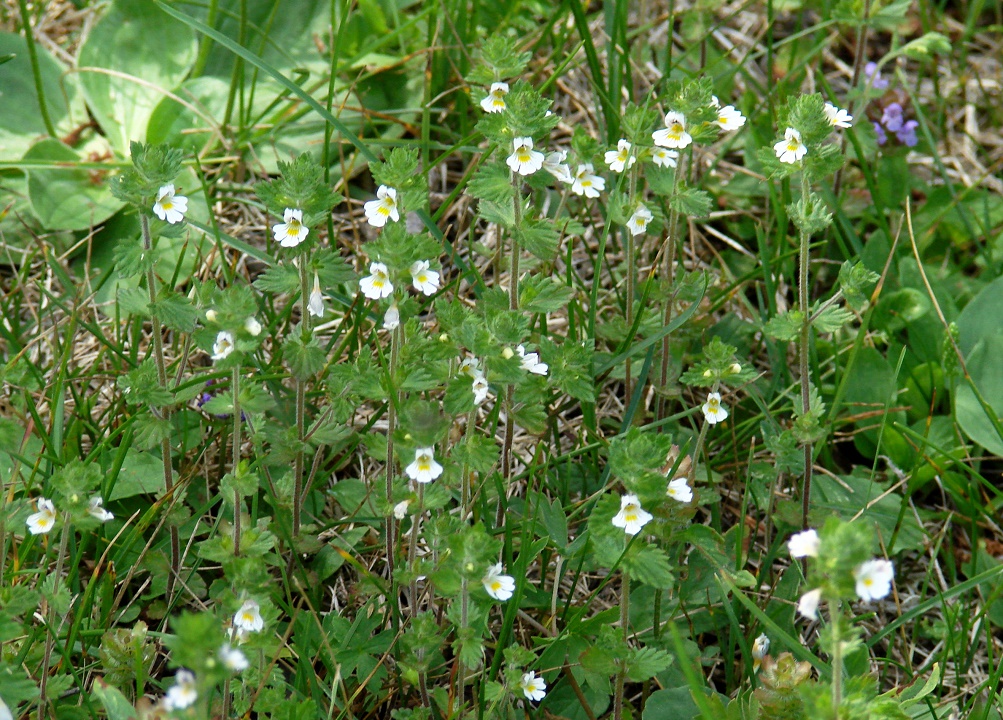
[191, 118]
[142, 473]
[985, 365]
[114, 702]
[673, 704]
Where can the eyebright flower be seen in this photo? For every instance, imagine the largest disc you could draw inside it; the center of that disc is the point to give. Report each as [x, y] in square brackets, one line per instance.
[494, 101]
[531, 362]
[223, 345]
[620, 159]
[5, 713]
[391, 318]
[638, 222]
[679, 490]
[232, 658]
[424, 468]
[498, 585]
[400, 509]
[555, 165]
[170, 207]
[874, 579]
[210, 315]
[315, 306]
[632, 517]
[524, 159]
[837, 118]
[291, 232]
[423, 279]
[713, 411]
[664, 158]
[248, 617]
[872, 72]
[760, 647]
[252, 326]
[674, 134]
[728, 118]
[377, 284]
[804, 544]
[808, 604]
[95, 509]
[42, 521]
[533, 687]
[480, 388]
[470, 366]
[586, 182]
[790, 149]
[383, 208]
[182, 693]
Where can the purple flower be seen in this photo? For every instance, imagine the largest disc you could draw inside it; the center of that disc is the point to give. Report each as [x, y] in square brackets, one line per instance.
[907, 133]
[872, 72]
[892, 118]
[880, 133]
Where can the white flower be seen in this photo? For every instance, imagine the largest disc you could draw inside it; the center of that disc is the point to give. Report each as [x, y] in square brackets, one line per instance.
[316, 304]
[586, 182]
[391, 318]
[5, 713]
[524, 159]
[664, 158]
[735, 368]
[804, 544]
[638, 222]
[424, 468]
[95, 509]
[837, 118]
[42, 521]
[383, 208]
[494, 102]
[480, 388]
[210, 315]
[760, 647]
[874, 579]
[632, 517]
[423, 279]
[790, 149]
[248, 617]
[252, 326]
[620, 159]
[237, 634]
[679, 490]
[808, 604]
[291, 232]
[674, 134]
[555, 165]
[232, 658]
[170, 207]
[498, 585]
[713, 411]
[400, 509]
[223, 345]
[533, 687]
[470, 366]
[531, 362]
[183, 693]
[728, 118]
[377, 284]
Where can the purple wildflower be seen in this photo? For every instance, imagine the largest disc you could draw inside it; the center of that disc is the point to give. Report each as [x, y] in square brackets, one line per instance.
[880, 133]
[892, 118]
[872, 72]
[907, 133]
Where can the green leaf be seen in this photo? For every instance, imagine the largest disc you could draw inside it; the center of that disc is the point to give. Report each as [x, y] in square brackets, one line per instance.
[175, 311]
[134, 301]
[542, 294]
[856, 281]
[646, 662]
[673, 704]
[148, 53]
[539, 237]
[691, 202]
[493, 183]
[785, 327]
[831, 319]
[304, 360]
[142, 473]
[933, 43]
[281, 278]
[115, 704]
[649, 565]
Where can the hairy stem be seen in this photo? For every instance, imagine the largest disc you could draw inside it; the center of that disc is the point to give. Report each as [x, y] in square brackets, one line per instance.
[396, 337]
[836, 619]
[235, 388]
[301, 403]
[64, 538]
[803, 347]
[621, 675]
[669, 274]
[631, 281]
[412, 552]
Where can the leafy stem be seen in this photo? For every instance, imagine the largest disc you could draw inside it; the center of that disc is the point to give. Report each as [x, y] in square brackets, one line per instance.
[804, 341]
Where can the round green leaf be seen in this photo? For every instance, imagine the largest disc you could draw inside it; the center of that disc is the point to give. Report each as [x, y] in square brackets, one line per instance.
[985, 365]
[66, 197]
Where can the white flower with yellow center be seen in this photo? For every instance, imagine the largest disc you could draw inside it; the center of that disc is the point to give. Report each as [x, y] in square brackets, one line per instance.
[424, 280]
[808, 604]
[424, 469]
[524, 159]
[182, 693]
[638, 222]
[760, 647]
[469, 366]
[728, 118]
[377, 284]
[383, 208]
[170, 207]
[664, 158]
[223, 346]
[291, 232]
[96, 510]
[586, 182]
[632, 517]
[713, 411]
[533, 687]
[494, 101]
[790, 149]
[248, 617]
[874, 579]
[620, 159]
[804, 544]
[674, 134]
[480, 388]
[315, 306]
[497, 584]
[837, 117]
[42, 521]
[679, 491]
[530, 362]
[555, 165]
[232, 658]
